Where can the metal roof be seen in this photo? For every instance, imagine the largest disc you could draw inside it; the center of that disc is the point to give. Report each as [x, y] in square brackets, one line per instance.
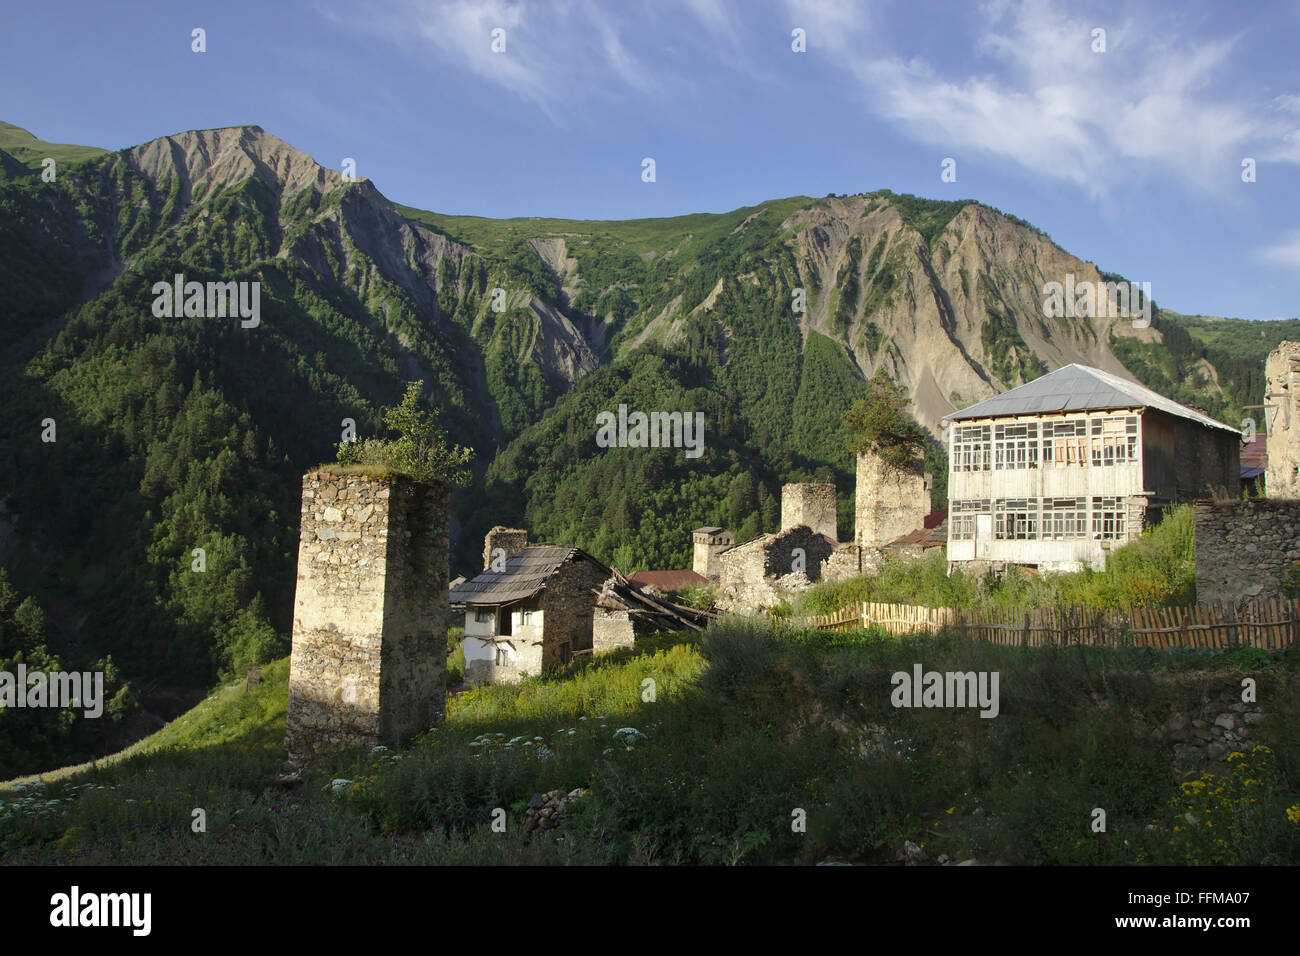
[1079, 388]
[526, 573]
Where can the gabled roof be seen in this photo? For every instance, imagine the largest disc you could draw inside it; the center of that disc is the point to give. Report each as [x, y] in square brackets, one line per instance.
[526, 573]
[1079, 388]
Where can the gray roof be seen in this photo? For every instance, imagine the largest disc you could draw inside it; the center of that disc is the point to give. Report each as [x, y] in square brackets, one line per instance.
[1079, 388]
[526, 573]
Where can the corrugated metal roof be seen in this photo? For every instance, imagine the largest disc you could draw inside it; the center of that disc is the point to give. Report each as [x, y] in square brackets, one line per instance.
[1079, 388]
[526, 573]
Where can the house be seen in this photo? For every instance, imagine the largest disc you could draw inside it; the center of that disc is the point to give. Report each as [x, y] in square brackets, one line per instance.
[1059, 471]
[530, 610]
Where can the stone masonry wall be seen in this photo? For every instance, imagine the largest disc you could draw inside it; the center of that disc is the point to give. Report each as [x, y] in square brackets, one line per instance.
[889, 503]
[811, 504]
[368, 663]
[762, 573]
[510, 540]
[1279, 417]
[611, 630]
[1245, 549]
[568, 602]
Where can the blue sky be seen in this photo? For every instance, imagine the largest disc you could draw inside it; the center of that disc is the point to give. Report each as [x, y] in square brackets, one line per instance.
[1129, 157]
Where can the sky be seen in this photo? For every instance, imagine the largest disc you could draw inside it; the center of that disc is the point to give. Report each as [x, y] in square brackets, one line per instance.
[1126, 146]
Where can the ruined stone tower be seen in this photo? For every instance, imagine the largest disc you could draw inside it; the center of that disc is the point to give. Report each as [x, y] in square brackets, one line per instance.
[1282, 371]
[509, 540]
[368, 664]
[889, 503]
[709, 543]
[811, 504]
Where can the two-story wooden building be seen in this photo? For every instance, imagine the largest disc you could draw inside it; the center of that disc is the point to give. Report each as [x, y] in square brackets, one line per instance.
[1057, 472]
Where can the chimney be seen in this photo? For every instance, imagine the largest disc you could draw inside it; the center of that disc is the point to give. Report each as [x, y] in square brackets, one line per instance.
[500, 543]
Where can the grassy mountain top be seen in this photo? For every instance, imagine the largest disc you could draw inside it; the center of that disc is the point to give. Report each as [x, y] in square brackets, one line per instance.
[657, 236]
[30, 151]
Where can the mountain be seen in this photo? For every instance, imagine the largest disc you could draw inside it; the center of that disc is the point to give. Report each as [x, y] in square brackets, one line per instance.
[175, 436]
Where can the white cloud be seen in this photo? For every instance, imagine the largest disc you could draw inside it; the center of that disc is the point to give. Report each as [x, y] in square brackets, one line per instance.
[1147, 107]
[1286, 252]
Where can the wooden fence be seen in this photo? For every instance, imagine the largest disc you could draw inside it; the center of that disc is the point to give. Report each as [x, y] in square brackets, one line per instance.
[1270, 625]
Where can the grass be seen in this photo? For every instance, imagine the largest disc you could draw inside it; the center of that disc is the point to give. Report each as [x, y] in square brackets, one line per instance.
[660, 235]
[30, 151]
[704, 752]
[1156, 570]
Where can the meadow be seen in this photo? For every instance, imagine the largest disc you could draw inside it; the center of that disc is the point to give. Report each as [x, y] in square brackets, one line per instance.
[755, 744]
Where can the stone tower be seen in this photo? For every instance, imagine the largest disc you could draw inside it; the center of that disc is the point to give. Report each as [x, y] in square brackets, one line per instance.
[369, 656]
[812, 505]
[889, 503]
[709, 543]
[509, 540]
[1282, 371]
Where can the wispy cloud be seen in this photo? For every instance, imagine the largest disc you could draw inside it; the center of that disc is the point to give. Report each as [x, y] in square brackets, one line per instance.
[1285, 253]
[1154, 104]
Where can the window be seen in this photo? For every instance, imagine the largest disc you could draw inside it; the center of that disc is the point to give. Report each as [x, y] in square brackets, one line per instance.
[972, 448]
[1065, 442]
[502, 656]
[484, 617]
[962, 517]
[1065, 518]
[1114, 440]
[1016, 519]
[1015, 446]
[1108, 516]
[526, 618]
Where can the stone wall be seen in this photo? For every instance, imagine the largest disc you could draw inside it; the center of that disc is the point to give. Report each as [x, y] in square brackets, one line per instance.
[368, 663]
[811, 504]
[611, 630]
[851, 561]
[889, 503]
[1245, 549]
[567, 603]
[1220, 725]
[1279, 420]
[509, 540]
[766, 571]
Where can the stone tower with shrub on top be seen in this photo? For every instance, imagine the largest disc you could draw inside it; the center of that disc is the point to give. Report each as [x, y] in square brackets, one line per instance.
[368, 664]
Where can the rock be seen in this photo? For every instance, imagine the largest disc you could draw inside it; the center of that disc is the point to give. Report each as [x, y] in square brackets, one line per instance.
[1226, 721]
[971, 862]
[1253, 718]
[912, 854]
[1215, 749]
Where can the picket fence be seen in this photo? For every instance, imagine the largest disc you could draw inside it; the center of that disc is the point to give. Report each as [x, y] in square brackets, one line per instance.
[1269, 625]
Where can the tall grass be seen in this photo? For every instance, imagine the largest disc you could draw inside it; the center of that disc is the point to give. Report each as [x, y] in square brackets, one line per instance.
[1156, 570]
[736, 736]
